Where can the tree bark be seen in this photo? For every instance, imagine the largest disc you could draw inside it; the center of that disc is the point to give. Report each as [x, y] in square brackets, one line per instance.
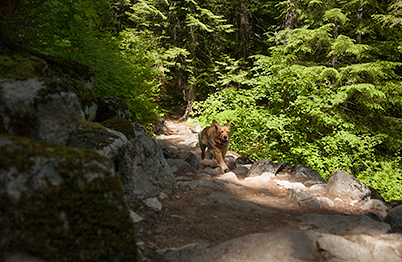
[291, 15]
[244, 30]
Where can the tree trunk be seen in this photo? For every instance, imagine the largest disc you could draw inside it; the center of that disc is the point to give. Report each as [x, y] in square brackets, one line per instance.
[335, 57]
[244, 30]
[359, 19]
[190, 100]
[291, 15]
[189, 92]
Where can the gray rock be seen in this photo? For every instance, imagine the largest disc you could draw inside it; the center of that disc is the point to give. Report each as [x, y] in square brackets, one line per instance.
[394, 218]
[139, 129]
[383, 248]
[212, 183]
[305, 171]
[343, 249]
[106, 142]
[160, 128]
[261, 166]
[241, 170]
[311, 203]
[143, 169]
[290, 185]
[298, 195]
[34, 109]
[304, 199]
[153, 203]
[265, 176]
[169, 151]
[172, 152]
[111, 107]
[241, 161]
[61, 195]
[122, 125]
[280, 246]
[342, 225]
[228, 176]
[377, 205]
[224, 200]
[326, 200]
[189, 158]
[212, 171]
[341, 184]
[135, 217]
[180, 167]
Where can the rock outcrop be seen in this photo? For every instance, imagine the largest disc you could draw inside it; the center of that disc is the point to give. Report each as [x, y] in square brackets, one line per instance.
[61, 204]
[38, 109]
[144, 170]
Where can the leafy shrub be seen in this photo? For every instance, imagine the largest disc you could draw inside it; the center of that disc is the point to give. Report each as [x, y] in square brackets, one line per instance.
[294, 113]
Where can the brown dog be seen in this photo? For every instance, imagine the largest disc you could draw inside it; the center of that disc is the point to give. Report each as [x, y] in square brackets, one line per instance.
[216, 138]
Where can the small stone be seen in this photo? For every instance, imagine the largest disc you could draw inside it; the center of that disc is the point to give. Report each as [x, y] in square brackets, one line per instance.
[228, 176]
[153, 203]
[290, 185]
[163, 196]
[135, 217]
[326, 200]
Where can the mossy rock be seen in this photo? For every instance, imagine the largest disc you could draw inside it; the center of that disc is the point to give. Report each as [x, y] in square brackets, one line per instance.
[38, 108]
[89, 104]
[95, 136]
[60, 203]
[74, 76]
[122, 125]
[21, 66]
[111, 107]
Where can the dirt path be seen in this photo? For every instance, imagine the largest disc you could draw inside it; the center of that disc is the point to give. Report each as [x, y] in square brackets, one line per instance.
[183, 220]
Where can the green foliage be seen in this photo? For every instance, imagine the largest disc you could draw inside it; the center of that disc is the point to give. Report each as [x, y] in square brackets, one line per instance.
[129, 68]
[294, 113]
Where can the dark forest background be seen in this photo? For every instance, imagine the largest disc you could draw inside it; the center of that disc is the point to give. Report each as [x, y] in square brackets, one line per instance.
[314, 82]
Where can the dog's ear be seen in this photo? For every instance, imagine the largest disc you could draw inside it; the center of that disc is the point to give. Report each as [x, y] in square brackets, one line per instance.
[215, 123]
[228, 123]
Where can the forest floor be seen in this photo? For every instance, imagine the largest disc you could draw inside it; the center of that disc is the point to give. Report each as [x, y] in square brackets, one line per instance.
[183, 220]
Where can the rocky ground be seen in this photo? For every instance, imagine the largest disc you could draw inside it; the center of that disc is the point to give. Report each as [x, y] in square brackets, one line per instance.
[233, 206]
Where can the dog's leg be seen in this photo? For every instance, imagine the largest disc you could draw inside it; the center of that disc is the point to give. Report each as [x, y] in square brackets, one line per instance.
[202, 151]
[202, 146]
[221, 160]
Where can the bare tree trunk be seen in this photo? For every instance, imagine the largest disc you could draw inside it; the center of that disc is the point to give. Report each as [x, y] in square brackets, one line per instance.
[291, 15]
[190, 101]
[335, 57]
[244, 30]
[189, 92]
[359, 19]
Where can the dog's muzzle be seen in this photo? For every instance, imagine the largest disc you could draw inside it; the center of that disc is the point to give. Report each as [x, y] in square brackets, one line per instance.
[224, 140]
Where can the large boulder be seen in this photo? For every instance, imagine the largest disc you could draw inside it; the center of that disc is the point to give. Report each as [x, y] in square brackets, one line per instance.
[341, 184]
[111, 107]
[172, 152]
[308, 172]
[88, 102]
[122, 125]
[60, 203]
[262, 166]
[394, 218]
[92, 135]
[38, 109]
[144, 170]
[280, 246]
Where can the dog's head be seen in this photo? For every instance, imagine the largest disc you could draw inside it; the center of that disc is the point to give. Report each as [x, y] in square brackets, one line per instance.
[222, 133]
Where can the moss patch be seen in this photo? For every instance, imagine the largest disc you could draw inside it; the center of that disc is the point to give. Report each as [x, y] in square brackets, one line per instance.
[91, 135]
[80, 217]
[21, 66]
[121, 125]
